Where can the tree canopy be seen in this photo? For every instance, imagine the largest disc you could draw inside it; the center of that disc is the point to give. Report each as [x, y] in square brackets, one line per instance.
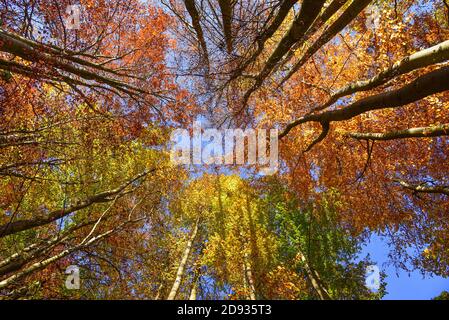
[358, 90]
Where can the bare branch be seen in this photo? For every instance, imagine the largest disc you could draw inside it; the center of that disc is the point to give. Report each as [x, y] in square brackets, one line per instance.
[423, 132]
[424, 188]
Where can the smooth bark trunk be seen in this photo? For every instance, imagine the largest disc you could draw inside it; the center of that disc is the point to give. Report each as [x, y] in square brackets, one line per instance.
[182, 265]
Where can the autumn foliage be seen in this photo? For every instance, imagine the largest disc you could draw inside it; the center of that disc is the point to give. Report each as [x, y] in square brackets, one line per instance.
[358, 90]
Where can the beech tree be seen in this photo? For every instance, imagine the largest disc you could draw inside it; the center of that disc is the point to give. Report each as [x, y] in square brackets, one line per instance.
[357, 89]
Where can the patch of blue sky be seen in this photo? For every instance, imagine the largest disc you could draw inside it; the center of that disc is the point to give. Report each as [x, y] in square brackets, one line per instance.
[401, 284]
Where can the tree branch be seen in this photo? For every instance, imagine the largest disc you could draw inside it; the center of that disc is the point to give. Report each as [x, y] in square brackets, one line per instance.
[107, 196]
[423, 132]
[226, 7]
[423, 188]
[431, 83]
[436, 54]
[346, 18]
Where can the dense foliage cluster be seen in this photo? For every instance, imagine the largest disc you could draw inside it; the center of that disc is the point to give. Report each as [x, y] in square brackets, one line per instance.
[357, 88]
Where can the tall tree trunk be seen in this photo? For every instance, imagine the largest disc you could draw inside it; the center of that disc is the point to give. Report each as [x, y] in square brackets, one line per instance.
[220, 217]
[196, 276]
[193, 292]
[251, 259]
[182, 265]
[249, 277]
[158, 293]
[247, 270]
[314, 278]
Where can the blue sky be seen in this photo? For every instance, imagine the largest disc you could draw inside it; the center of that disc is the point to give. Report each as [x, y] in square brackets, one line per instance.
[401, 284]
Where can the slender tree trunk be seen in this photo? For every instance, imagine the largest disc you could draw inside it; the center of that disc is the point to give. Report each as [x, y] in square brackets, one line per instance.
[314, 278]
[182, 265]
[245, 280]
[220, 216]
[196, 276]
[193, 290]
[158, 293]
[251, 259]
[250, 278]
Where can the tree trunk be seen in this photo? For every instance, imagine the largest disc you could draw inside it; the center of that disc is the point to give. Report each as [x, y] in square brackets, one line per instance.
[196, 276]
[182, 265]
[314, 279]
[193, 291]
[250, 278]
[251, 259]
[158, 293]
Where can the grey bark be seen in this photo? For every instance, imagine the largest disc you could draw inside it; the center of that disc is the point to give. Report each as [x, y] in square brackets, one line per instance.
[183, 263]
